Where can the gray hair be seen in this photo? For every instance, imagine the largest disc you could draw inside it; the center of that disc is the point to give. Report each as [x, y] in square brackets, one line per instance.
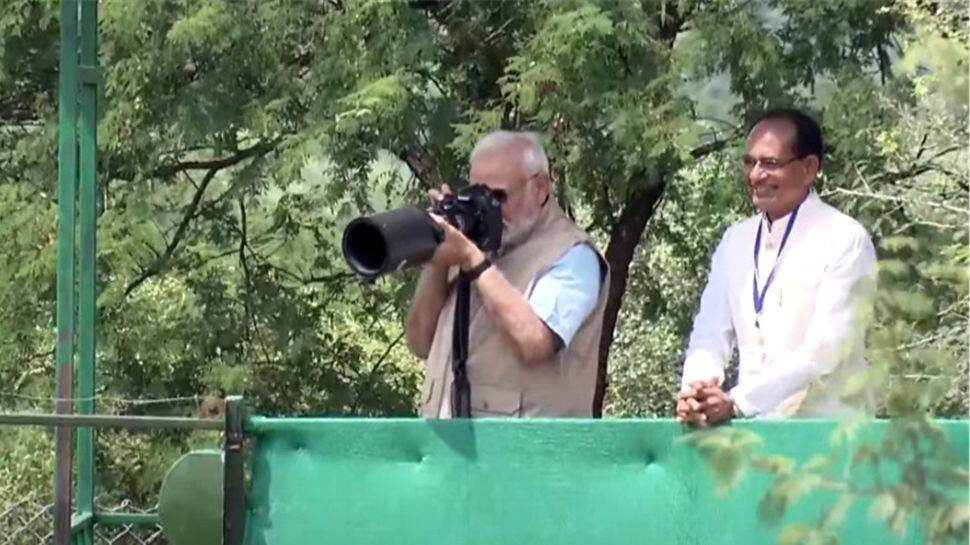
[534, 160]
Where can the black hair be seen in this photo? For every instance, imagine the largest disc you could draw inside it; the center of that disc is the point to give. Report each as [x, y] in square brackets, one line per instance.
[808, 134]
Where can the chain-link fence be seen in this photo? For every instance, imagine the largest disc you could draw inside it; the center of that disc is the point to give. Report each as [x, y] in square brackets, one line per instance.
[29, 520]
[129, 468]
[26, 520]
[128, 534]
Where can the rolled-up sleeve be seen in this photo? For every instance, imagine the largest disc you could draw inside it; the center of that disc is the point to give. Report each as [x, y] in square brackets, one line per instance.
[566, 294]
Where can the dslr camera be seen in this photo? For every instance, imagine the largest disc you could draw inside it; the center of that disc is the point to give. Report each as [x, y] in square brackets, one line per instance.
[407, 236]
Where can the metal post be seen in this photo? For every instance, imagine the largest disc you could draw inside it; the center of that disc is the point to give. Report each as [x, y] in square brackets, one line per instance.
[89, 78]
[234, 486]
[67, 179]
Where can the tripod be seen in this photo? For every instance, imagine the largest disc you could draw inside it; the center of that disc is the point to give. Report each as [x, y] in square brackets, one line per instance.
[461, 396]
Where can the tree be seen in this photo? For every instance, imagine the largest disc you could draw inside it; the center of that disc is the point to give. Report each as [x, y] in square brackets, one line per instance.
[238, 138]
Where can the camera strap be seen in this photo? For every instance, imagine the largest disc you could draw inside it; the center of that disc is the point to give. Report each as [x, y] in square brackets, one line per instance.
[461, 398]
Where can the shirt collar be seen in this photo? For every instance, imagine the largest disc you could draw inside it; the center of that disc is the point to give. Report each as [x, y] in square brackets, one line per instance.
[808, 202]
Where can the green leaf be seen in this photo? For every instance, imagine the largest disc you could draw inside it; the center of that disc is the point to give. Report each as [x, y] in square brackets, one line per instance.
[794, 534]
[777, 465]
[836, 514]
[883, 507]
[816, 463]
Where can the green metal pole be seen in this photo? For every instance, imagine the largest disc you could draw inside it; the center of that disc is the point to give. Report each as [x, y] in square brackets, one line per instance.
[87, 294]
[234, 487]
[67, 178]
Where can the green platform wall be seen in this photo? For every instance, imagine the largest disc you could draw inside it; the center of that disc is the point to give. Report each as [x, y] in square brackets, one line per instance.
[521, 482]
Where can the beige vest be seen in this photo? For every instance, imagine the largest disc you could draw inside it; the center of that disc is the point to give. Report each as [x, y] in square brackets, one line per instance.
[501, 384]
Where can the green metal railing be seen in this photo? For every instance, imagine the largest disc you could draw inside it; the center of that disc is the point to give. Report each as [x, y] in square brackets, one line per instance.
[81, 523]
[79, 82]
[363, 481]
[89, 75]
[66, 223]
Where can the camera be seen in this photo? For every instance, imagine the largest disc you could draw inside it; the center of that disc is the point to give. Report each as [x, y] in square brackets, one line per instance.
[407, 236]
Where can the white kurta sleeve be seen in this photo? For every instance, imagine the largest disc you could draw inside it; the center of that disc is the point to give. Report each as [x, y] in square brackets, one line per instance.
[842, 304]
[712, 337]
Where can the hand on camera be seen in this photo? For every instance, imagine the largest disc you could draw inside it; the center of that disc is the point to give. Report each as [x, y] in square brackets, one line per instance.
[455, 249]
[435, 195]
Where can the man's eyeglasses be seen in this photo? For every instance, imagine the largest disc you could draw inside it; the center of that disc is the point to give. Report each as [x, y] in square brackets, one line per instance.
[502, 195]
[768, 164]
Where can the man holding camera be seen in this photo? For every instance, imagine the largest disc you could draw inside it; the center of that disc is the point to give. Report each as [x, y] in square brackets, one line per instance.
[790, 288]
[536, 305]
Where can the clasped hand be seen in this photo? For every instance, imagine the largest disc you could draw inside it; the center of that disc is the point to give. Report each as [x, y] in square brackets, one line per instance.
[704, 403]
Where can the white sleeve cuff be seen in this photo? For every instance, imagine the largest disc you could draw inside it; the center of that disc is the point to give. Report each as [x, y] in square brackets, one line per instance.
[701, 365]
[744, 406]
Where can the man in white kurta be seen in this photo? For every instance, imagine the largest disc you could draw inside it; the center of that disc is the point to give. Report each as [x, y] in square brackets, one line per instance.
[790, 287]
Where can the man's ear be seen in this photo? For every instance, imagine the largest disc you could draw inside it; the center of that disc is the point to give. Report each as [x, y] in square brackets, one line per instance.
[812, 165]
[543, 185]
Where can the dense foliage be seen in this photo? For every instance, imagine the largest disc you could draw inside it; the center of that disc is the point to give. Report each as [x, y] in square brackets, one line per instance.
[237, 138]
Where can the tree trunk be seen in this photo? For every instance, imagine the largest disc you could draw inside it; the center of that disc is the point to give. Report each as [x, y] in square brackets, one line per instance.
[624, 238]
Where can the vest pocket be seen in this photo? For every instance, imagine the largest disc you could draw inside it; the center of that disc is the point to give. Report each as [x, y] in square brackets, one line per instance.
[495, 402]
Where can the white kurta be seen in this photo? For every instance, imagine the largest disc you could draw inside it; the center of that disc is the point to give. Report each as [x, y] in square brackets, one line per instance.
[795, 358]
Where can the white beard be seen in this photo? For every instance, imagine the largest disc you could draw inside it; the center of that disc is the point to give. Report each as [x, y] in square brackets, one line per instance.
[516, 235]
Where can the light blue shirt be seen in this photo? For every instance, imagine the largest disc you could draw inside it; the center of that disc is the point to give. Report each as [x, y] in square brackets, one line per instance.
[566, 294]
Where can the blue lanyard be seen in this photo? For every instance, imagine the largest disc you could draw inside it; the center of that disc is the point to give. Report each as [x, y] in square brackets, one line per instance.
[759, 296]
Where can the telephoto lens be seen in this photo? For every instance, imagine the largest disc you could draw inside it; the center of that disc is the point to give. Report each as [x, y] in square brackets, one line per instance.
[407, 236]
[389, 241]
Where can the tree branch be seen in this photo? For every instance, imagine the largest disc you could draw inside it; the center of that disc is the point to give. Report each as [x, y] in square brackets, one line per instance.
[32, 371]
[247, 303]
[625, 236]
[264, 262]
[922, 146]
[498, 31]
[711, 147]
[259, 149]
[243, 246]
[387, 351]
[419, 163]
[213, 167]
[892, 198]
[327, 279]
[368, 382]
[180, 232]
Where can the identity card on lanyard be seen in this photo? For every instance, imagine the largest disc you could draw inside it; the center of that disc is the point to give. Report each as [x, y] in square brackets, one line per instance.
[759, 295]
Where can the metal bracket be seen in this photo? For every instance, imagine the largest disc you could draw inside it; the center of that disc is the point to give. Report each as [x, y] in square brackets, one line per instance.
[88, 74]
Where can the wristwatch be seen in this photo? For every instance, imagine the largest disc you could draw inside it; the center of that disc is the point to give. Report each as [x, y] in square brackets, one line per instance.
[473, 273]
